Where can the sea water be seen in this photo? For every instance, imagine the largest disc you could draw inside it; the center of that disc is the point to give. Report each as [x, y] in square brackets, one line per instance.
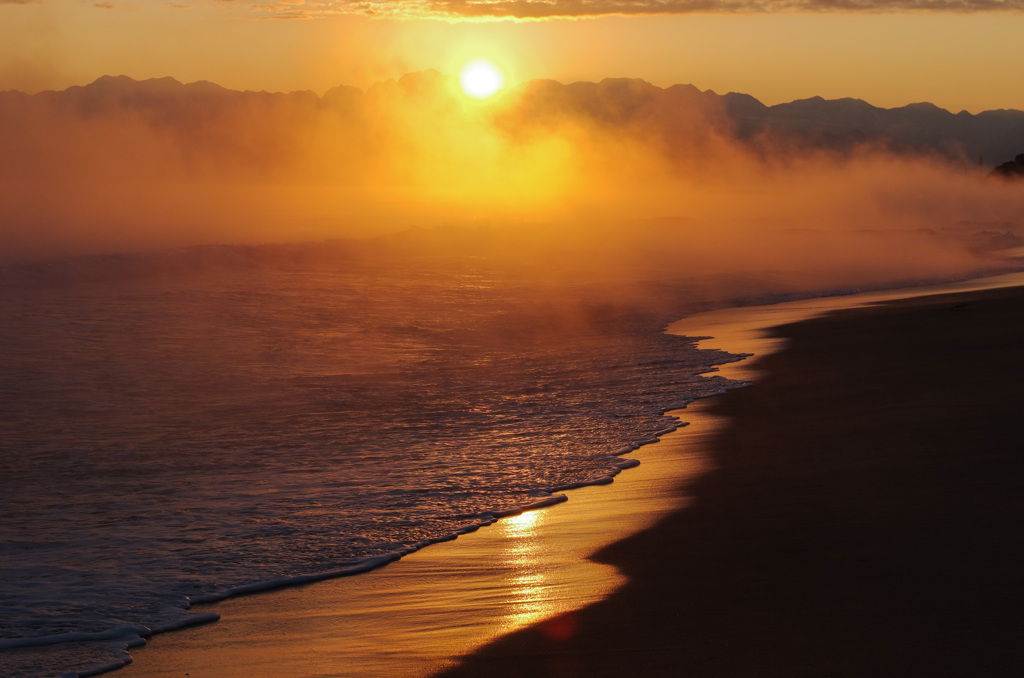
[182, 427]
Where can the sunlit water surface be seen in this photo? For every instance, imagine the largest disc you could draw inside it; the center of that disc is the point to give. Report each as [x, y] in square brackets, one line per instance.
[181, 434]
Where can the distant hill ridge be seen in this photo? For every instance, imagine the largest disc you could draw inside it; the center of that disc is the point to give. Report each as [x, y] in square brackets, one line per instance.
[990, 137]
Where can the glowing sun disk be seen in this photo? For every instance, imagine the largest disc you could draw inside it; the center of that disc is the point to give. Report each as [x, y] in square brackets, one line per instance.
[481, 79]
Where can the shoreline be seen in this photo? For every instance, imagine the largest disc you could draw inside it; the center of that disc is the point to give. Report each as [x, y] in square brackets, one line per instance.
[861, 518]
[415, 616]
[170, 650]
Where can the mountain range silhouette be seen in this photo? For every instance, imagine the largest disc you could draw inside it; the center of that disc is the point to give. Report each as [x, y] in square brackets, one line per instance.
[672, 114]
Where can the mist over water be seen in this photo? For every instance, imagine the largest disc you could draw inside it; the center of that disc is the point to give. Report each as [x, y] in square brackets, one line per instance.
[462, 312]
[122, 166]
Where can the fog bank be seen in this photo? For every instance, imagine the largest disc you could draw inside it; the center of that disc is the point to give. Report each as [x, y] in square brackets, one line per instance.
[580, 181]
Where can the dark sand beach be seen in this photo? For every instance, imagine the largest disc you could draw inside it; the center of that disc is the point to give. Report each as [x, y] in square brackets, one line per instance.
[863, 519]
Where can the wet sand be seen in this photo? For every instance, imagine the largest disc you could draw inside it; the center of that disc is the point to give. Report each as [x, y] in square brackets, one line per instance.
[863, 518]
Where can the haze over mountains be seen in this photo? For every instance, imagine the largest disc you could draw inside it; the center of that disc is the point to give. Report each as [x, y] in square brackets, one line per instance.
[121, 165]
[995, 136]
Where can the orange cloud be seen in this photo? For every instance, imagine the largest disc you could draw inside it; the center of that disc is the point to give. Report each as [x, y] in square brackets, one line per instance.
[542, 9]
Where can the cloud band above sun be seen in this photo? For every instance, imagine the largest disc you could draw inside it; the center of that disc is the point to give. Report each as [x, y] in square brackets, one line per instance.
[543, 9]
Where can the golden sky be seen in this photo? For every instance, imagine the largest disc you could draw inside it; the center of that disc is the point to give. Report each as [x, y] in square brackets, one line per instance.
[964, 56]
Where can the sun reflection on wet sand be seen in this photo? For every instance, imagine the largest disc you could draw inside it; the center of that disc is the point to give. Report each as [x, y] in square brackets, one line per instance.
[530, 596]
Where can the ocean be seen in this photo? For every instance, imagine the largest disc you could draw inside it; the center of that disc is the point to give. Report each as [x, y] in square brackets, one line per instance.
[190, 425]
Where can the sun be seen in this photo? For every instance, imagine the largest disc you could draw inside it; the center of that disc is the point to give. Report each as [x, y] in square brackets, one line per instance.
[481, 79]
